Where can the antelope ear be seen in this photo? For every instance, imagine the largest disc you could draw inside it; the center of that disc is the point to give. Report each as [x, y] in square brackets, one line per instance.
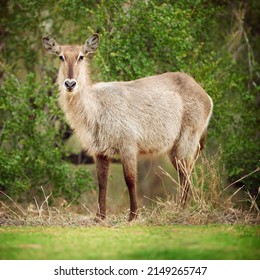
[91, 44]
[50, 45]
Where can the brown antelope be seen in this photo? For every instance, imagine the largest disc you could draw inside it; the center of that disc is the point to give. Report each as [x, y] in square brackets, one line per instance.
[167, 113]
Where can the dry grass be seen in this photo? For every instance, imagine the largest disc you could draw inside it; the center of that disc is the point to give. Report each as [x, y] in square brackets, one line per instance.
[208, 202]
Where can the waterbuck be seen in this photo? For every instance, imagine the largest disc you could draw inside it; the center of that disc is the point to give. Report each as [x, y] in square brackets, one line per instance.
[167, 113]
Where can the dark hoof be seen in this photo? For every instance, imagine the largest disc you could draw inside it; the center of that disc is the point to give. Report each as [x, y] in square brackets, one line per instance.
[99, 218]
[132, 216]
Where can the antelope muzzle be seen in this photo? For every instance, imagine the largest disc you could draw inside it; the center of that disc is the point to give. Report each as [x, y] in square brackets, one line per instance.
[70, 85]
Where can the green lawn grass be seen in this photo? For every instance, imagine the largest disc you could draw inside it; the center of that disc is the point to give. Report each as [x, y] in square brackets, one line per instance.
[131, 242]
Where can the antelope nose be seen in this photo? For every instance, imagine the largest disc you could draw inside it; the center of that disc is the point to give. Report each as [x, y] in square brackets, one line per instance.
[70, 84]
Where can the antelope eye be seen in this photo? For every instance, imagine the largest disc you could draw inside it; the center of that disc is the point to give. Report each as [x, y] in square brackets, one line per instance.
[81, 57]
[61, 58]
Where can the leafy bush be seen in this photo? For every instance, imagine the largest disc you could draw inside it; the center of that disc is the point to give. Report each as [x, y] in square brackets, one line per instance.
[31, 146]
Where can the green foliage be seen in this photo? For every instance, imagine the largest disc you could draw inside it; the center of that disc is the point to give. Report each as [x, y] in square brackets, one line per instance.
[146, 38]
[241, 144]
[31, 144]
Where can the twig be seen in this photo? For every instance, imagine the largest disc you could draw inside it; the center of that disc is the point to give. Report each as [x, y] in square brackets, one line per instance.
[256, 170]
[150, 199]
[253, 202]
[234, 194]
[46, 201]
[10, 209]
[69, 204]
[19, 207]
[86, 208]
[37, 205]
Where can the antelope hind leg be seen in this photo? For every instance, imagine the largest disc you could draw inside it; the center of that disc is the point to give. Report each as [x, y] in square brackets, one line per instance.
[129, 162]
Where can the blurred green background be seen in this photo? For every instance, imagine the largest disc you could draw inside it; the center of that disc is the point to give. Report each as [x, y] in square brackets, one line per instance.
[217, 42]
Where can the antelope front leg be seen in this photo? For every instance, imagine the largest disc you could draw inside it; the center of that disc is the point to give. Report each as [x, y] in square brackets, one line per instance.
[129, 167]
[102, 166]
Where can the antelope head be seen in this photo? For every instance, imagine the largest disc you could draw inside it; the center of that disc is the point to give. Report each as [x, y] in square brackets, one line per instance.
[73, 66]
